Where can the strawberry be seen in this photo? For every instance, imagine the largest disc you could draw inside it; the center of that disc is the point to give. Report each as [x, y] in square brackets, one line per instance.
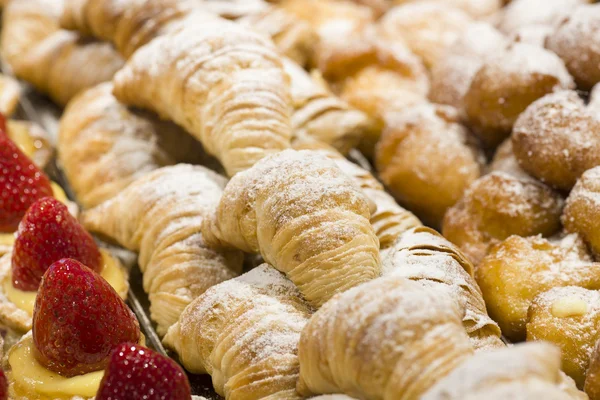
[78, 320]
[46, 234]
[135, 372]
[3, 131]
[21, 183]
[3, 386]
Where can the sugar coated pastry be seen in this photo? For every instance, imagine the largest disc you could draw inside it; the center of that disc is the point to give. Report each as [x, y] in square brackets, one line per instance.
[244, 332]
[581, 209]
[159, 215]
[427, 160]
[592, 383]
[518, 269]
[475, 8]
[390, 338]
[497, 206]
[56, 62]
[505, 161]
[305, 217]
[556, 139]
[424, 256]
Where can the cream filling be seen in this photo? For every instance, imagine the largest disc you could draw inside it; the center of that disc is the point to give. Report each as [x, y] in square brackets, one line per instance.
[20, 135]
[111, 271]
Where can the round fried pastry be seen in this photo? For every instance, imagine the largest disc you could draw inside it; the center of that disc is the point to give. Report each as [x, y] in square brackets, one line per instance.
[582, 209]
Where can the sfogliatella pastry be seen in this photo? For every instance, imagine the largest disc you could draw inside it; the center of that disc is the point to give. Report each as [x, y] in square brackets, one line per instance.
[58, 63]
[518, 269]
[103, 146]
[524, 371]
[427, 160]
[567, 317]
[160, 215]
[10, 94]
[305, 217]
[46, 234]
[506, 84]
[556, 139]
[498, 205]
[77, 322]
[390, 338]
[389, 220]
[424, 256]
[244, 333]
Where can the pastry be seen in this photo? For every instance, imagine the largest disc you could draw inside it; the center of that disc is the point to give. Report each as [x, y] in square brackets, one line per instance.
[475, 8]
[581, 209]
[555, 139]
[591, 386]
[65, 354]
[48, 233]
[424, 256]
[305, 217]
[10, 94]
[244, 333]
[518, 269]
[390, 338]
[56, 62]
[389, 220]
[427, 160]
[505, 161]
[497, 206]
[103, 146]
[506, 84]
[427, 28]
[524, 371]
[160, 215]
[567, 317]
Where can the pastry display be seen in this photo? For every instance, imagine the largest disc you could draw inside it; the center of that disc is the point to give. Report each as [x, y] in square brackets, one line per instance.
[427, 159]
[305, 217]
[299, 199]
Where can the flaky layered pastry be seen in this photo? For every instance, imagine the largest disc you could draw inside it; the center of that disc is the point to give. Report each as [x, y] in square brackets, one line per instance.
[305, 217]
[423, 255]
[103, 146]
[58, 63]
[245, 333]
[390, 338]
[159, 215]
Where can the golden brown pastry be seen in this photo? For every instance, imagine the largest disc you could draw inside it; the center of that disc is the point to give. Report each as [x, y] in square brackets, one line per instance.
[159, 215]
[390, 338]
[245, 334]
[506, 84]
[427, 160]
[567, 317]
[581, 209]
[427, 28]
[592, 382]
[10, 94]
[103, 146]
[556, 139]
[452, 75]
[32, 139]
[518, 269]
[499, 205]
[521, 372]
[305, 217]
[574, 40]
[505, 161]
[58, 63]
[475, 8]
[423, 255]
[389, 220]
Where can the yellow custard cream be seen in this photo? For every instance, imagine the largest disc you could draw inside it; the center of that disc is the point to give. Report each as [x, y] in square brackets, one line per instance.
[32, 378]
[111, 271]
[21, 136]
[7, 240]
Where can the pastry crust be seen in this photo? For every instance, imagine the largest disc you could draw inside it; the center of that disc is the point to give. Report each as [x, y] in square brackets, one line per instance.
[10, 94]
[244, 333]
[103, 146]
[160, 215]
[424, 256]
[305, 217]
[56, 62]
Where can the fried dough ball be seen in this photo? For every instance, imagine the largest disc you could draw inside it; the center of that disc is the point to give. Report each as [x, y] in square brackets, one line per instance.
[592, 378]
[427, 160]
[497, 206]
[521, 14]
[594, 103]
[557, 139]
[576, 42]
[428, 28]
[506, 84]
[452, 75]
[567, 317]
[505, 161]
[582, 209]
[518, 269]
